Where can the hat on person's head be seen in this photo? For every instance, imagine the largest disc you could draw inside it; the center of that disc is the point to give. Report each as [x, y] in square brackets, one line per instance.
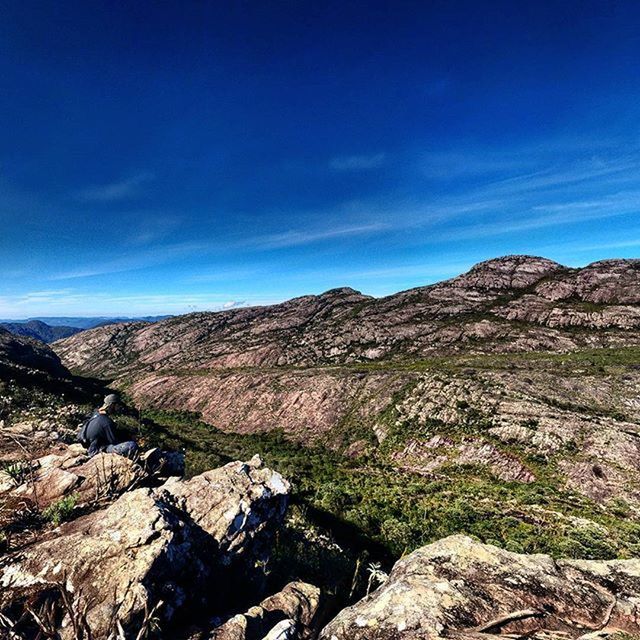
[110, 400]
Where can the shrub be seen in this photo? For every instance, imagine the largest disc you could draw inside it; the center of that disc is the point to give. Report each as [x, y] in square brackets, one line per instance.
[61, 510]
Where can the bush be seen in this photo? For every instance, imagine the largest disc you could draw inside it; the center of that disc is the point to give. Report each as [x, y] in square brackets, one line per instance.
[61, 510]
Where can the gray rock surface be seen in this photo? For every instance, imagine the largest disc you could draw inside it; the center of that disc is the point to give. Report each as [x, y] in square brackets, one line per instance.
[459, 588]
[168, 544]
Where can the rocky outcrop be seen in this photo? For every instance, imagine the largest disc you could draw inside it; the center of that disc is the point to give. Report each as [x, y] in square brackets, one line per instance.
[459, 588]
[249, 499]
[175, 545]
[426, 457]
[68, 471]
[288, 615]
[28, 354]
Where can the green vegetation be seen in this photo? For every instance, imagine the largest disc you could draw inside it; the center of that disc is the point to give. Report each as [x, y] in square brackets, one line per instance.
[17, 471]
[371, 504]
[60, 511]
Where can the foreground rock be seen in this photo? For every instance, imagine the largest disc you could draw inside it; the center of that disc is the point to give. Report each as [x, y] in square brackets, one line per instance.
[288, 615]
[459, 588]
[171, 544]
[68, 471]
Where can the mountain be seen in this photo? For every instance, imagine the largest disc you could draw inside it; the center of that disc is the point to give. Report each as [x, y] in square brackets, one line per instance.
[39, 330]
[527, 356]
[21, 353]
[435, 443]
[82, 323]
[511, 304]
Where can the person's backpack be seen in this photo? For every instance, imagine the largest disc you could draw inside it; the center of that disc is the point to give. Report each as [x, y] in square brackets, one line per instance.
[82, 433]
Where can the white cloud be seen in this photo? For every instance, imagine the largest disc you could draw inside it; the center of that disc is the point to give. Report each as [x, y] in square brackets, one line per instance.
[100, 303]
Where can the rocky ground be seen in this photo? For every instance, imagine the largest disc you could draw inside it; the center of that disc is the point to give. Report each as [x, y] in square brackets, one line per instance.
[188, 559]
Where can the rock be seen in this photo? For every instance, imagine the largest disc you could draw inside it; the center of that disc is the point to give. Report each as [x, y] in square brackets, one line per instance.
[68, 471]
[426, 457]
[459, 588]
[248, 499]
[288, 615]
[112, 558]
[169, 544]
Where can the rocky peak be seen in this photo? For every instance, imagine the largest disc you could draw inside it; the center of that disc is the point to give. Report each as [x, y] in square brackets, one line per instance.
[508, 272]
[602, 282]
[341, 292]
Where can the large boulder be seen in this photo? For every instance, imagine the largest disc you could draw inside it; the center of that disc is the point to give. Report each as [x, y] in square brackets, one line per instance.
[233, 504]
[171, 544]
[68, 471]
[459, 588]
[289, 614]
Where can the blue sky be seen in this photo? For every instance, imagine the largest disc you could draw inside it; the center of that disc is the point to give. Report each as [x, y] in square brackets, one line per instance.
[161, 157]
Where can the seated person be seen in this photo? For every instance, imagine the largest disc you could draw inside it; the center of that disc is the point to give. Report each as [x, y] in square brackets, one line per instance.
[100, 431]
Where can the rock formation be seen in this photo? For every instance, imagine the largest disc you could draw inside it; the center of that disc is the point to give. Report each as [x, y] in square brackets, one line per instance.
[289, 614]
[179, 544]
[459, 588]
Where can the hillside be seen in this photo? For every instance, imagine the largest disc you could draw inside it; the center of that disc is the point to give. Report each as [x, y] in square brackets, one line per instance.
[501, 405]
[516, 381]
[39, 330]
[40, 401]
[511, 304]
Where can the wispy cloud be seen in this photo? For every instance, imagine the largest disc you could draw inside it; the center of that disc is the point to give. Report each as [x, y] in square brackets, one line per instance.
[298, 237]
[120, 190]
[101, 303]
[358, 163]
[133, 262]
[222, 274]
[153, 227]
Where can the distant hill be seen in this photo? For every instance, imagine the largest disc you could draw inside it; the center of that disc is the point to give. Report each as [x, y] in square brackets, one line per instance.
[82, 323]
[39, 330]
[23, 353]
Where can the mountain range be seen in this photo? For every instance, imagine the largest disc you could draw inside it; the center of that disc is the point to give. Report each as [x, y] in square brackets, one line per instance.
[52, 329]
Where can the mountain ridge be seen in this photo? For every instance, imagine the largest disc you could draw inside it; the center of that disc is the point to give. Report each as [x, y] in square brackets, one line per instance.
[490, 303]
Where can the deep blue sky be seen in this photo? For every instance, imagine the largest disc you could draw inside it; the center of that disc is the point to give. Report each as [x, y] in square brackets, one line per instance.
[158, 157]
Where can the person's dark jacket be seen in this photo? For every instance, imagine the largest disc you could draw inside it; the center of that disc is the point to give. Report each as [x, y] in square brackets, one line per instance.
[100, 433]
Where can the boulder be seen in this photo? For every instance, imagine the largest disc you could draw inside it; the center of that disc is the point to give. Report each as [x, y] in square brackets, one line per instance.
[68, 471]
[233, 504]
[170, 544]
[289, 614]
[460, 588]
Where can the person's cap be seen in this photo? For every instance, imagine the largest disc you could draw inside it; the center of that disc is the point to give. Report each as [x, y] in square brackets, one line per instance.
[112, 398]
